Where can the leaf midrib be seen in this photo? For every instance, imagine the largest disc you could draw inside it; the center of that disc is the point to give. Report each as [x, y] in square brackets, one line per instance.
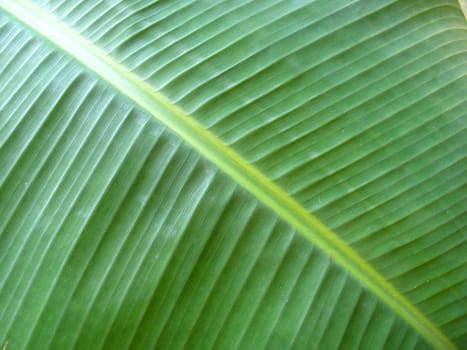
[207, 144]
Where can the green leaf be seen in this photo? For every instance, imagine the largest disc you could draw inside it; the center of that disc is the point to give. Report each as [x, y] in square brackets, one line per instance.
[238, 174]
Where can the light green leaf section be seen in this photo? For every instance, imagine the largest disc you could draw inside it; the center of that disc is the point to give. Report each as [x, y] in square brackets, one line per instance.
[302, 121]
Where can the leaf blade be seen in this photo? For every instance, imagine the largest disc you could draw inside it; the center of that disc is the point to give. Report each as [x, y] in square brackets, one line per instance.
[255, 177]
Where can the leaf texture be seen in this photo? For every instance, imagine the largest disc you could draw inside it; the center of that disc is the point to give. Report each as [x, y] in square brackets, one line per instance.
[115, 233]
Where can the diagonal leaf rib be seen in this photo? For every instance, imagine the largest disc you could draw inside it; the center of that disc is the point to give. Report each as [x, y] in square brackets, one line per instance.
[224, 157]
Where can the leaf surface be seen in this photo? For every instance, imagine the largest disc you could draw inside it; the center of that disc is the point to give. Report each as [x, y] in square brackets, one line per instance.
[343, 122]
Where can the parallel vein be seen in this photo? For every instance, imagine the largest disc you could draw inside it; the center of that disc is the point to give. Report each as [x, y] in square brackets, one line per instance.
[224, 157]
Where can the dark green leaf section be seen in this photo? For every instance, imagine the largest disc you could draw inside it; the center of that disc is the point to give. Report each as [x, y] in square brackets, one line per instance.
[115, 234]
[356, 108]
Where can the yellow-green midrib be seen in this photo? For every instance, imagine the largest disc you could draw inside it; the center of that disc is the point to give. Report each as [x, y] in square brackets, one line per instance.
[225, 158]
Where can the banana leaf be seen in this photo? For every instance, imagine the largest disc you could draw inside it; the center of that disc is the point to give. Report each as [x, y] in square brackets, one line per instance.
[207, 174]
